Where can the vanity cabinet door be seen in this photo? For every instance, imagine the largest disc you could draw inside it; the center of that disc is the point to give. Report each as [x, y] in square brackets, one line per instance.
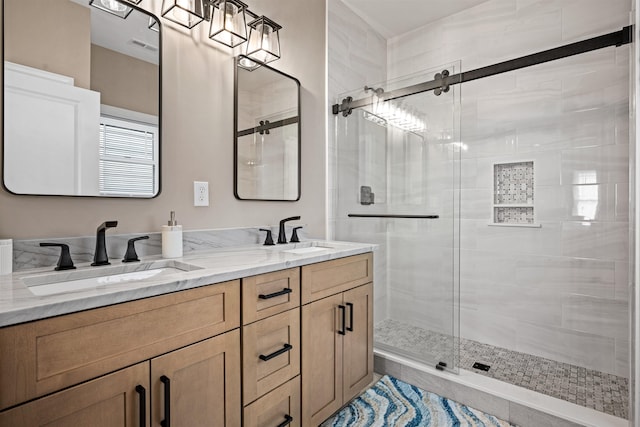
[109, 401]
[321, 360]
[198, 385]
[358, 341]
[337, 352]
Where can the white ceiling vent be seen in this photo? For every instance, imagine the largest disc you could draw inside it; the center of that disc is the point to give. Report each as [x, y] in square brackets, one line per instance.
[144, 45]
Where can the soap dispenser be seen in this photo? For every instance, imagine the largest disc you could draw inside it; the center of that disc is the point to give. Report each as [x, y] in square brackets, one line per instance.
[172, 238]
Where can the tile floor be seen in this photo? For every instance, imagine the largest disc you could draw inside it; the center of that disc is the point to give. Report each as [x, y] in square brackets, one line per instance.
[593, 389]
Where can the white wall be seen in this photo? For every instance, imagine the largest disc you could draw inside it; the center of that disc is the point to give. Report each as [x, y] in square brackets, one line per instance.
[197, 140]
[357, 56]
[559, 291]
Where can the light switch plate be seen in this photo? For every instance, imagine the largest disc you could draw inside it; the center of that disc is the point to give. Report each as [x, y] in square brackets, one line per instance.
[200, 193]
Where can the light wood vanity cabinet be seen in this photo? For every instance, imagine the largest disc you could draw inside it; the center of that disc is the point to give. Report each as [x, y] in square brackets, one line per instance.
[337, 331]
[48, 355]
[180, 356]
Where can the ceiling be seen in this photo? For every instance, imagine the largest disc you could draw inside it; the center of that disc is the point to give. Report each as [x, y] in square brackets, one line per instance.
[130, 36]
[394, 17]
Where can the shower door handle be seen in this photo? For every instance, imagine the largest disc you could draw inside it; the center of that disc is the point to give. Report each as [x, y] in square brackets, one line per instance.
[350, 327]
[343, 317]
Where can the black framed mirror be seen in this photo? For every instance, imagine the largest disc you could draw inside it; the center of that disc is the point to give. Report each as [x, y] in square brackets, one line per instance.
[267, 133]
[82, 99]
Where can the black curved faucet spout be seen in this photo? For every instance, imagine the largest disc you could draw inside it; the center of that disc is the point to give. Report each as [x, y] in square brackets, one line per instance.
[100, 256]
[282, 237]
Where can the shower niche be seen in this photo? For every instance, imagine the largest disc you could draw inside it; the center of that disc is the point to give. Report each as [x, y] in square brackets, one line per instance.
[513, 194]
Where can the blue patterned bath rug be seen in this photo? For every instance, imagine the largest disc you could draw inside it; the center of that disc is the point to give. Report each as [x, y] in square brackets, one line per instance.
[393, 403]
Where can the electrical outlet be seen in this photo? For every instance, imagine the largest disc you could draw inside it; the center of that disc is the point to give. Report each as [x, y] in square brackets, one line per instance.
[200, 193]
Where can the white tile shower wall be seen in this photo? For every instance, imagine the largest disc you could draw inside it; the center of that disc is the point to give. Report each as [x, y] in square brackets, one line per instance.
[559, 291]
[357, 56]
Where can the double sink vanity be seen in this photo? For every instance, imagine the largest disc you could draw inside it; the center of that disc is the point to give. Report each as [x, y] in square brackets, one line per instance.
[253, 336]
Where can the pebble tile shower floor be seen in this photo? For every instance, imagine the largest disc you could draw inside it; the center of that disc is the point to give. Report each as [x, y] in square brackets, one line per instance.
[586, 387]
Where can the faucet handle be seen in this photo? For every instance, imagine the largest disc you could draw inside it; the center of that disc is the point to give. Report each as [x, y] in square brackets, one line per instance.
[269, 240]
[64, 262]
[131, 255]
[294, 235]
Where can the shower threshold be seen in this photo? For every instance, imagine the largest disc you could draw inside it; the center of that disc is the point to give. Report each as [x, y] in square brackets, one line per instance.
[585, 387]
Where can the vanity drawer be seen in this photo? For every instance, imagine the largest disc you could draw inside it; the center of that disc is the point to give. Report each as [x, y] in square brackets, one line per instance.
[269, 294]
[47, 355]
[271, 353]
[331, 277]
[275, 407]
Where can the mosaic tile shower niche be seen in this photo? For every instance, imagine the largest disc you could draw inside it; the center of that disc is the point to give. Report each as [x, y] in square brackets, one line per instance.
[513, 193]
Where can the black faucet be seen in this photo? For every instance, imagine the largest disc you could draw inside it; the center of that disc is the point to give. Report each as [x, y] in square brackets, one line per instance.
[131, 255]
[269, 240]
[282, 237]
[100, 256]
[64, 262]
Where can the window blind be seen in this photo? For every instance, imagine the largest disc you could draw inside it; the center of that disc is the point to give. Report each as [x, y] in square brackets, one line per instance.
[128, 158]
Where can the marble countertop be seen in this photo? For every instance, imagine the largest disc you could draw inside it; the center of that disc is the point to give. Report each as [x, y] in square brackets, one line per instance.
[19, 304]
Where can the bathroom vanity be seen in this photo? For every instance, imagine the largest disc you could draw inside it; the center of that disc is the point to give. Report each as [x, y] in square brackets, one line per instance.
[255, 337]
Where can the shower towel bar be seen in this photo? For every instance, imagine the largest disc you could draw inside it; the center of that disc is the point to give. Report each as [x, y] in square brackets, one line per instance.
[393, 216]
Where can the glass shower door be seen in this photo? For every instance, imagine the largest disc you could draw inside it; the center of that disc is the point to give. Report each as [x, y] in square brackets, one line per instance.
[396, 180]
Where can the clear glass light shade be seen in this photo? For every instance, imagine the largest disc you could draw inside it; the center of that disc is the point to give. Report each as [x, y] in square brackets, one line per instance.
[187, 13]
[113, 7]
[228, 24]
[264, 41]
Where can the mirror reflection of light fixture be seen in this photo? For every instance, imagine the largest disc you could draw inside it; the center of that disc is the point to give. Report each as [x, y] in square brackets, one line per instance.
[154, 25]
[247, 63]
[187, 13]
[228, 23]
[264, 41]
[113, 7]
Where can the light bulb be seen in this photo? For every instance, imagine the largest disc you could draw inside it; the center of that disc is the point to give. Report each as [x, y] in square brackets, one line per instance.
[266, 39]
[230, 10]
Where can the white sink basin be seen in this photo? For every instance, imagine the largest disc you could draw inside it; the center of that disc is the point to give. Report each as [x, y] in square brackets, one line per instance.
[73, 281]
[304, 251]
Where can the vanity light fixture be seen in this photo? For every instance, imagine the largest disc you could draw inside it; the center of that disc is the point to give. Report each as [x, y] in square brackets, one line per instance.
[113, 7]
[228, 25]
[187, 13]
[264, 41]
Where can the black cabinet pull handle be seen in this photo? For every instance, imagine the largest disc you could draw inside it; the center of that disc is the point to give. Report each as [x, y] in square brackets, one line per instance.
[344, 319]
[167, 401]
[350, 327]
[287, 420]
[276, 294]
[284, 349]
[143, 404]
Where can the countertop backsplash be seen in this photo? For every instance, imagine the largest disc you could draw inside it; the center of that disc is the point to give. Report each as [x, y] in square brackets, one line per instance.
[28, 254]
